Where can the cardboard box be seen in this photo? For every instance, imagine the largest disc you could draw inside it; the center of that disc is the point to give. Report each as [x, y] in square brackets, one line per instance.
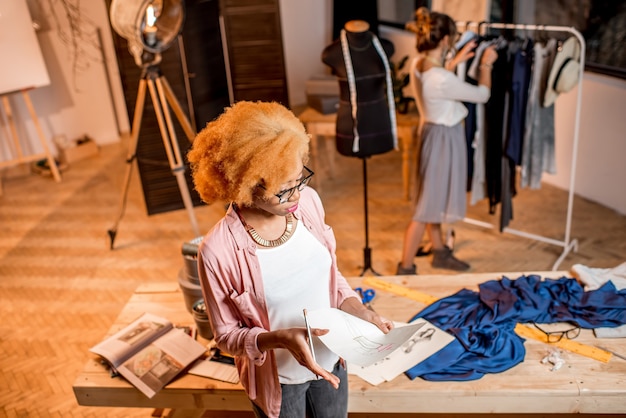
[322, 85]
[79, 152]
[323, 103]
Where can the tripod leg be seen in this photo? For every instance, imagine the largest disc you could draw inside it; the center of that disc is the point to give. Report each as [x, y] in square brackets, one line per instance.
[170, 142]
[130, 157]
[178, 110]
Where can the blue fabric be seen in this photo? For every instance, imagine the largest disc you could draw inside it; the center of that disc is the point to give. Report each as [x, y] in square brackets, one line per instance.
[483, 322]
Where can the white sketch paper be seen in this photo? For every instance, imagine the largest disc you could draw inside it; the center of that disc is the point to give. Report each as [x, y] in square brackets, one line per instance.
[359, 342]
[425, 342]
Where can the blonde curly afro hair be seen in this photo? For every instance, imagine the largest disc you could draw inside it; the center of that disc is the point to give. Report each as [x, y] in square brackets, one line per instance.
[250, 144]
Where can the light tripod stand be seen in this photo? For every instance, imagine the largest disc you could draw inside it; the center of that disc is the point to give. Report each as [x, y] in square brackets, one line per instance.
[162, 99]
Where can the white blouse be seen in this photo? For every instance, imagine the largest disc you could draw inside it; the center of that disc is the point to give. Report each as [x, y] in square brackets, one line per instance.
[296, 275]
[442, 94]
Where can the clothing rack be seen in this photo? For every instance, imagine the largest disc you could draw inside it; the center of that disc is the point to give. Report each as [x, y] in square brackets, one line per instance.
[568, 244]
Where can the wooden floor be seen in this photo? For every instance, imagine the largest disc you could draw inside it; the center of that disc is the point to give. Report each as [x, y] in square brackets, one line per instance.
[61, 286]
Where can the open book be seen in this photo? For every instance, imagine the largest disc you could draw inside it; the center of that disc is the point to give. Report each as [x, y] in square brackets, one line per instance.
[149, 352]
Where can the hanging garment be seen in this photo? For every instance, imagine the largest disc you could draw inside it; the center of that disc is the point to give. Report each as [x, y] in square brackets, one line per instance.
[495, 116]
[522, 53]
[520, 82]
[472, 70]
[470, 133]
[483, 322]
[507, 166]
[479, 179]
[538, 144]
[475, 133]
[470, 120]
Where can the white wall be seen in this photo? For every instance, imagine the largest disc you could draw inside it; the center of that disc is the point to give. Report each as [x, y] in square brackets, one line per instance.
[307, 30]
[600, 169]
[81, 99]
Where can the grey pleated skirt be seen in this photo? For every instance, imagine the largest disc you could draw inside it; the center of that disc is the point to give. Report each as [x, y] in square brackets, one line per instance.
[442, 174]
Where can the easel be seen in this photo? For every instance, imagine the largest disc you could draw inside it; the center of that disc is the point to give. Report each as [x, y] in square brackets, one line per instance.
[162, 96]
[20, 157]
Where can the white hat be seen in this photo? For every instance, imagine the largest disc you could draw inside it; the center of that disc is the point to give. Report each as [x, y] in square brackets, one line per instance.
[564, 72]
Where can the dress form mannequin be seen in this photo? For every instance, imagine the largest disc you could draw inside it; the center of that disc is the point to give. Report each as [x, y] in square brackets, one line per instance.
[369, 127]
[366, 122]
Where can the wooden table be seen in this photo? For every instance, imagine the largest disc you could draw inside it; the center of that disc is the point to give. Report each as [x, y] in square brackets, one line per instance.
[582, 386]
[323, 126]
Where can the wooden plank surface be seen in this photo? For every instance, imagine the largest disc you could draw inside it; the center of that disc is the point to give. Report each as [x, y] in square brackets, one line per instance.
[581, 385]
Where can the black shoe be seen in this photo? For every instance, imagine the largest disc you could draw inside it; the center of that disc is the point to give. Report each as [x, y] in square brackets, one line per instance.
[401, 271]
[427, 248]
[424, 250]
[444, 259]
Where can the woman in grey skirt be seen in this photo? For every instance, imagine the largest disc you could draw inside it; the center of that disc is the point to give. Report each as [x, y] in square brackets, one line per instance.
[443, 154]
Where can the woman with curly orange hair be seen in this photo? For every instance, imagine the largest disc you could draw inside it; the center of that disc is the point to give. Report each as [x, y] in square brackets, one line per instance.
[269, 257]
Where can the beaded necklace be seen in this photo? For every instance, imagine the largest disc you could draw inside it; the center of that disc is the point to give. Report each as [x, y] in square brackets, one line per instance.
[433, 61]
[287, 233]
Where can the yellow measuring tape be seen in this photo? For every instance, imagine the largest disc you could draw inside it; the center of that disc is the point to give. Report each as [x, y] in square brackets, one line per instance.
[521, 330]
[399, 290]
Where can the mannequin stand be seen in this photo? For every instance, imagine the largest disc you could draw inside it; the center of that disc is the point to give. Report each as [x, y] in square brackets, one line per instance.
[367, 251]
[162, 95]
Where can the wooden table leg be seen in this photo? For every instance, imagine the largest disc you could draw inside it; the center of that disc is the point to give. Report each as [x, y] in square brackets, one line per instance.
[406, 136]
[326, 131]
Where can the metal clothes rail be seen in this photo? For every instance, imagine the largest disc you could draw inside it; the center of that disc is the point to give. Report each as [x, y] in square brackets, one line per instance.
[568, 244]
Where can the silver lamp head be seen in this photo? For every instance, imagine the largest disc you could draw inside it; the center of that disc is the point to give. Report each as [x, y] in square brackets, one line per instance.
[147, 25]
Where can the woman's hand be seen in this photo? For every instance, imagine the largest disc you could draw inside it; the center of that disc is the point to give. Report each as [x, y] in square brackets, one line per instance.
[353, 306]
[467, 52]
[296, 341]
[489, 56]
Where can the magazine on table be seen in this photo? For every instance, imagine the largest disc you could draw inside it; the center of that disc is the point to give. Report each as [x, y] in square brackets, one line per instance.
[149, 352]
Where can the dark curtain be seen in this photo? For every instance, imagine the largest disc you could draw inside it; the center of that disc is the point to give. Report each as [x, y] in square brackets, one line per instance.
[346, 10]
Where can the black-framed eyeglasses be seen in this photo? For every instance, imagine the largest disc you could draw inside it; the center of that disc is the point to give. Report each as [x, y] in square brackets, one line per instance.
[284, 195]
[556, 336]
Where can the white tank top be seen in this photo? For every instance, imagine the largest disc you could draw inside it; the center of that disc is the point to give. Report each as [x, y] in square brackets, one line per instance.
[296, 276]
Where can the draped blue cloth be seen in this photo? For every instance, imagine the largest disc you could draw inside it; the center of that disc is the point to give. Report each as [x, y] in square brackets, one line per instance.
[483, 322]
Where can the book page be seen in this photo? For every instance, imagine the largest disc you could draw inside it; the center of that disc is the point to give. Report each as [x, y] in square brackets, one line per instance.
[359, 342]
[157, 364]
[132, 338]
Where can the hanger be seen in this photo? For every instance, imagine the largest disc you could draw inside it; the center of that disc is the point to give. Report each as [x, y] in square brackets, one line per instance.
[543, 35]
[480, 25]
[526, 37]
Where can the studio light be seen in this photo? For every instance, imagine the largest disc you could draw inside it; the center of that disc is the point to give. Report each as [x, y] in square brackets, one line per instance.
[150, 26]
[147, 25]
